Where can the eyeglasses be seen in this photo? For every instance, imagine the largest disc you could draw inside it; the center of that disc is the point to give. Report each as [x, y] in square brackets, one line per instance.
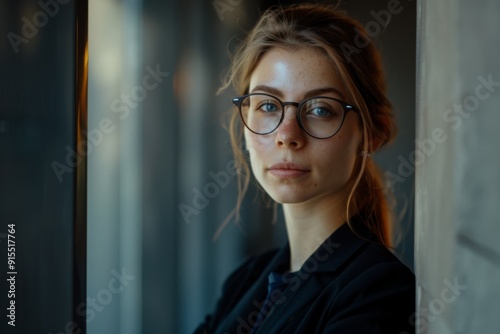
[320, 117]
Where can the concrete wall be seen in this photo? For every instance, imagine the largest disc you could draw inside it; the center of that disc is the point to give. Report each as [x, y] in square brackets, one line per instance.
[457, 156]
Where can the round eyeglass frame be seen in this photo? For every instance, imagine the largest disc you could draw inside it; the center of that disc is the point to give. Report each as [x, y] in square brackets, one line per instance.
[237, 101]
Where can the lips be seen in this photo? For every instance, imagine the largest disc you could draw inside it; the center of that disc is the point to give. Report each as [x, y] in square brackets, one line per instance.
[288, 170]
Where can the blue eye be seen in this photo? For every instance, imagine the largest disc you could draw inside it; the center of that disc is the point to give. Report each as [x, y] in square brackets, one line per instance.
[320, 112]
[322, 108]
[269, 107]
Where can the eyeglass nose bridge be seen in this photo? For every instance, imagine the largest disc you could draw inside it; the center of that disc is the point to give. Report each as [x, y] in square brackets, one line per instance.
[295, 104]
[297, 114]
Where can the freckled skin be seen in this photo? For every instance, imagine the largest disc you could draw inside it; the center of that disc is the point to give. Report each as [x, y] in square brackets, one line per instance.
[330, 162]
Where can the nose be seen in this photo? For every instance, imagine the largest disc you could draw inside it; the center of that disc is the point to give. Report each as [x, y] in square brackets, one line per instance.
[289, 133]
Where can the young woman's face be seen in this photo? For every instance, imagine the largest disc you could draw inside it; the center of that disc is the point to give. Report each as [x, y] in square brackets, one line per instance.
[290, 165]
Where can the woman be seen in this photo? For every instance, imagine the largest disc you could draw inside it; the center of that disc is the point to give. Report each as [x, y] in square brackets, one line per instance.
[314, 108]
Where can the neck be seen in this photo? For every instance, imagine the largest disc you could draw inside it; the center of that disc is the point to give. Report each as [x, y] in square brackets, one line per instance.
[309, 224]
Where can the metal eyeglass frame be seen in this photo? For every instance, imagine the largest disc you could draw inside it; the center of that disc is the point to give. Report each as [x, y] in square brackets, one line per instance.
[346, 107]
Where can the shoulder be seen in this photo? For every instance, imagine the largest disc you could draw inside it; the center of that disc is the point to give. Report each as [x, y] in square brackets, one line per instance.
[355, 258]
[374, 269]
[373, 255]
[376, 261]
[360, 255]
[374, 293]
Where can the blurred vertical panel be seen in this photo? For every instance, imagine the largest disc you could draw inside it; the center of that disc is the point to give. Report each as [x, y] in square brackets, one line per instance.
[161, 43]
[116, 94]
[39, 158]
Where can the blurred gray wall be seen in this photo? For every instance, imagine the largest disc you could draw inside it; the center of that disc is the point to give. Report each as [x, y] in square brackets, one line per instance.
[458, 174]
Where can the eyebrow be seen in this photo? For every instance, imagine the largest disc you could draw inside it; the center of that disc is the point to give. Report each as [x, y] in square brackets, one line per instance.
[308, 94]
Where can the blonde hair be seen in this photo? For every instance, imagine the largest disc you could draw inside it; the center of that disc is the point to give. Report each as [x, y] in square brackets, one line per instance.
[338, 37]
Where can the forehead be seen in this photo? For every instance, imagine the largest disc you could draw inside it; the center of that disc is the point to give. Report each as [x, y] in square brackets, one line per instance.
[296, 71]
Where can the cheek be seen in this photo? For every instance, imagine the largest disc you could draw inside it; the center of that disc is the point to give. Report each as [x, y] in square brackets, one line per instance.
[253, 146]
[350, 151]
[256, 144]
[349, 145]
[342, 151]
[249, 139]
[350, 136]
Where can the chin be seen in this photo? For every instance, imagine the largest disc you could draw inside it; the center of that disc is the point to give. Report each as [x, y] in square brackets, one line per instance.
[288, 197]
